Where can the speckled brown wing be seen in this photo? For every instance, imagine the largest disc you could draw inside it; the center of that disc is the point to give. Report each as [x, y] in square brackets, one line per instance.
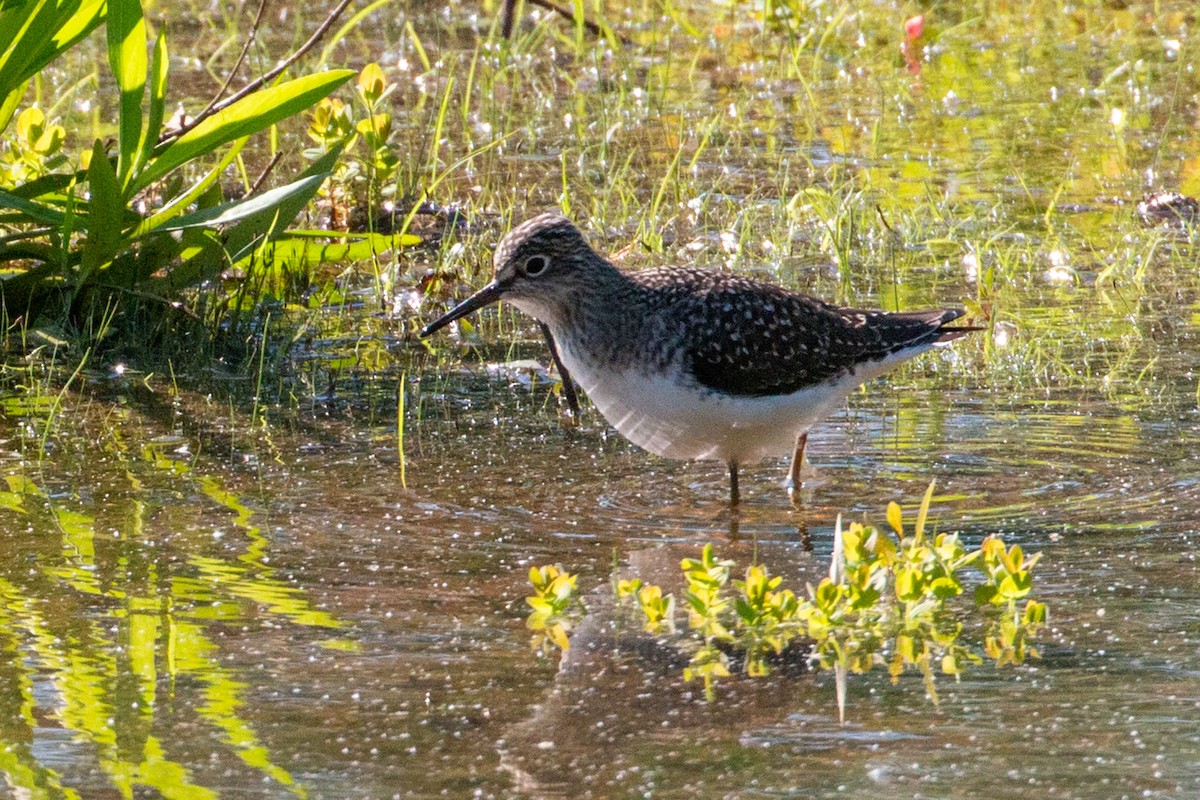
[752, 339]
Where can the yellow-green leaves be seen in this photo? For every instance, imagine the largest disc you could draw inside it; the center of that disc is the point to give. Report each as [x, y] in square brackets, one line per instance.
[330, 122]
[43, 139]
[659, 610]
[372, 83]
[1008, 574]
[894, 518]
[889, 604]
[35, 150]
[552, 602]
[767, 618]
[363, 130]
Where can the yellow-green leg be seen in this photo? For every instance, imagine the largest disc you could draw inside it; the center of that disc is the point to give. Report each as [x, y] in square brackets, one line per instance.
[793, 479]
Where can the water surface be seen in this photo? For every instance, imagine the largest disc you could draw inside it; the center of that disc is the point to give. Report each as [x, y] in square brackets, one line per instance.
[198, 603]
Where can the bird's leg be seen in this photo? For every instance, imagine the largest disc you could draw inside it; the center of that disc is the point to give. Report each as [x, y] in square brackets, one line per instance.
[567, 384]
[793, 479]
[733, 484]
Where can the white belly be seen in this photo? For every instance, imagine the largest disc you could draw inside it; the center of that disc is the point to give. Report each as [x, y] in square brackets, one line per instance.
[689, 422]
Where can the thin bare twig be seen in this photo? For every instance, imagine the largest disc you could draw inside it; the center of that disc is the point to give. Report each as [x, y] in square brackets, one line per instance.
[262, 176]
[262, 7]
[508, 16]
[258, 83]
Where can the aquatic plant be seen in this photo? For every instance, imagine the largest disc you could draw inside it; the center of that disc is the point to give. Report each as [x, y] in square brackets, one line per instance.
[362, 133]
[143, 215]
[555, 605]
[888, 601]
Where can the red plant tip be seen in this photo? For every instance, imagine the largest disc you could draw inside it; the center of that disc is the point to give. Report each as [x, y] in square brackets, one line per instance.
[914, 27]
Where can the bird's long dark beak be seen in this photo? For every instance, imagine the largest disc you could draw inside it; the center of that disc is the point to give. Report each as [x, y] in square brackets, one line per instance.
[485, 296]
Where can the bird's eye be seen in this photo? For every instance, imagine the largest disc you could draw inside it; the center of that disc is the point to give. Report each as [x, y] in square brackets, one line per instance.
[536, 265]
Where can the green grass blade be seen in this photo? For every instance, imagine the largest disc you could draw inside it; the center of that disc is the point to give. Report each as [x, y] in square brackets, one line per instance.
[350, 25]
[249, 115]
[127, 58]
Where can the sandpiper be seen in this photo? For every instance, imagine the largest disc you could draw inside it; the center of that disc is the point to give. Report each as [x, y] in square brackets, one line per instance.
[697, 363]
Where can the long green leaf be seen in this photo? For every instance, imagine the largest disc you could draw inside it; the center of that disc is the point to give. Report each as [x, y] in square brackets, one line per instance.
[36, 212]
[20, 27]
[203, 261]
[250, 233]
[127, 58]
[32, 251]
[178, 204]
[228, 213]
[105, 213]
[245, 117]
[271, 222]
[53, 184]
[158, 96]
[33, 34]
[297, 250]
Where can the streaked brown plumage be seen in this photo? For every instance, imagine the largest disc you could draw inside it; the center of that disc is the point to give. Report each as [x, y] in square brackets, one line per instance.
[695, 363]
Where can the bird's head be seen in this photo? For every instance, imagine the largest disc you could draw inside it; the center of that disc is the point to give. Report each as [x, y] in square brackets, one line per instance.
[541, 266]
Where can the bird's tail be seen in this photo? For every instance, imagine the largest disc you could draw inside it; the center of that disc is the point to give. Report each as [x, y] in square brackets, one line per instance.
[902, 330]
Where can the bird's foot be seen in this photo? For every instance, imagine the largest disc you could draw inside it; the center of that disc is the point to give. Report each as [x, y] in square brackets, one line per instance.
[793, 487]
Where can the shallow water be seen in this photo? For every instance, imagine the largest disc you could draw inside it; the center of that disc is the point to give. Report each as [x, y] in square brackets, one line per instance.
[303, 625]
[196, 604]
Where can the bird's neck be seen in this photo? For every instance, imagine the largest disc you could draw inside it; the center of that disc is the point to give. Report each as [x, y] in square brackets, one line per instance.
[603, 320]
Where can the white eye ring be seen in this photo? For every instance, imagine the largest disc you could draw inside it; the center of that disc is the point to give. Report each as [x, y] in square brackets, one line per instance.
[536, 265]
